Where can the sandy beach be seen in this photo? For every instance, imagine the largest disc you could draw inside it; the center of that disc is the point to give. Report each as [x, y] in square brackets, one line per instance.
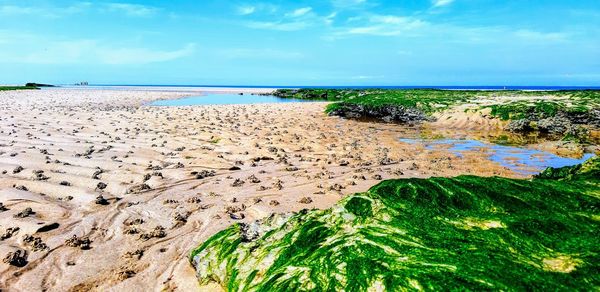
[106, 193]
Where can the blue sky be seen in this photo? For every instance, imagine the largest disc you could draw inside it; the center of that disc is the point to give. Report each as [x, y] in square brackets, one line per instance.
[326, 42]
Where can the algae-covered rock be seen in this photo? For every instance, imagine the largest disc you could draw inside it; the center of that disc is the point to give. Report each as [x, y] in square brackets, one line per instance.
[434, 234]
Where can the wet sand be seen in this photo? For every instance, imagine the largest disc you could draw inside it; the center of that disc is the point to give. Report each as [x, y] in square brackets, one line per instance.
[119, 193]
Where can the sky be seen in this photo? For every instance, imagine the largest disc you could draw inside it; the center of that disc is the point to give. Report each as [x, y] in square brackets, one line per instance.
[313, 43]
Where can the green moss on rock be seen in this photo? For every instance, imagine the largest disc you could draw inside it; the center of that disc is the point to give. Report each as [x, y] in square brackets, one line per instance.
[434, 234]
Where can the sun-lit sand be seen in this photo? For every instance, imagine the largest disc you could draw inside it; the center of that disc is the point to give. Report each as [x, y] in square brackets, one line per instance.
[119, 193]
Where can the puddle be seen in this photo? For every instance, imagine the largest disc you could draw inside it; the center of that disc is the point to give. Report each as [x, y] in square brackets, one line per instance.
[518, 159]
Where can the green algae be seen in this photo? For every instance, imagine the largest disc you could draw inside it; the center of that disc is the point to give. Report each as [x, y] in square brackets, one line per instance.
[463, 233]
[6, 88]
[430, 101]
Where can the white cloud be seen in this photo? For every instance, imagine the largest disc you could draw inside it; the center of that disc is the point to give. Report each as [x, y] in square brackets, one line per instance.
[385, 25]
[347, 3]
[124, 56]
[540, 36]
[78, 7]
[16, 10]
[441, 3]
[246, 10]
[367, 77]
[46, 12]
[330, 18]
[33, 49]
[259, 54]
[294, 20]
[299, 12]
[132, 9]
[278, 25]
[255, 8]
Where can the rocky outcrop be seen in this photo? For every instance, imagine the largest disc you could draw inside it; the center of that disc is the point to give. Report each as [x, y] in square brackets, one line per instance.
[570, 126]
[386, 113]
[463, 233]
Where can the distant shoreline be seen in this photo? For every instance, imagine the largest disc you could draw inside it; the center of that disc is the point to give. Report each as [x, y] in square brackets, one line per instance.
[486, 87]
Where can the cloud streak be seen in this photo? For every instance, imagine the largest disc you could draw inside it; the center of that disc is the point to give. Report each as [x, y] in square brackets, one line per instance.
[441, 3]
[269, 53]
[42, 51]
[385, 25]
[132, 10]
[135, 10]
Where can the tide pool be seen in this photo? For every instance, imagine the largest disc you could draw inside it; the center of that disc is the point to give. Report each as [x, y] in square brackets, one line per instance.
[519, 159]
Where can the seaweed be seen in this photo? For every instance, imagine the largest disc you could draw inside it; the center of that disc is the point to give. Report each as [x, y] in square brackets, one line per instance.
[462, 233]
[7, 88]
[429, 101]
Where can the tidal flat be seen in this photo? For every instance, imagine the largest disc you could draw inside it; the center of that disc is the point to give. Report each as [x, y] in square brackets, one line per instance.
[101, 191]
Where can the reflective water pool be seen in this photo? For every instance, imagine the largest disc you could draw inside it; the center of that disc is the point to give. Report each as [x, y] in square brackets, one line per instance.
[216, 99]
[518, 159]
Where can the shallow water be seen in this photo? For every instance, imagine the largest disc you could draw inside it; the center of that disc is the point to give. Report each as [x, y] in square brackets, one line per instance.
[216, 99]
[518, 159]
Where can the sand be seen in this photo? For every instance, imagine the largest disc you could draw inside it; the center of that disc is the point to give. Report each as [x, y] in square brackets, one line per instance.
[145, 185]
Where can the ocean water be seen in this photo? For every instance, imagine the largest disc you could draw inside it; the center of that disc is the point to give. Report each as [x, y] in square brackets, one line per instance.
[220, 99]
[449, 87]
[519, 159]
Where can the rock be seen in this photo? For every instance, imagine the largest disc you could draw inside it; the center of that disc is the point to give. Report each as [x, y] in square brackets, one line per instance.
[522, 125]
[194, 200]
[250, 232]
[21, 188]
[138, 188]
[137, 254]
[386, 113]
[9, 233]
[16, 258]
[125, 274]
[181, 218]
[253, 179]
[306, 200]
[278, 185]
[237, 183]
[39, 175]
[97, 173]
[25, 213]
[101, 186]
[17, 169]
[131, 230]
[236, 216]
[35, 243]
[261, 158]
[336, 187]
[100, 200]
[203, 173]
[83, 242]
[158, 232]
